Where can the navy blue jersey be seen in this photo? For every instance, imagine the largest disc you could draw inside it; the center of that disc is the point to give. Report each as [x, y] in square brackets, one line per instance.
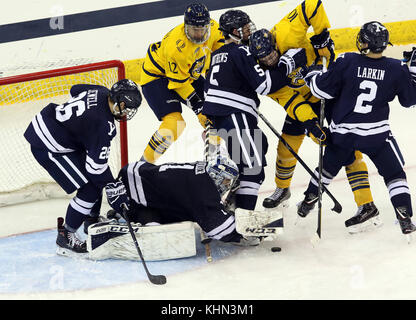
[182, 190]
[362, 88]
[234, 80]
[83, 124]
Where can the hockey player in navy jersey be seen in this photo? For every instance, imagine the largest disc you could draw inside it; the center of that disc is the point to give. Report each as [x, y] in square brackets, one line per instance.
[72, 142]
[233, 82]
[361, 85]
[176, 192]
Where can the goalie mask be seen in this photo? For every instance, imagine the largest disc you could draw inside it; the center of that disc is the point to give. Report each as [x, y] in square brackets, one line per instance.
[197, 23]
[224, 172]
[375, 35]
[128, 92]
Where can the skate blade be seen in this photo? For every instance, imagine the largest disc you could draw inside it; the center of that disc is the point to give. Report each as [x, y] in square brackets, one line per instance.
[366, 226]
[409, 238]
[69, 253]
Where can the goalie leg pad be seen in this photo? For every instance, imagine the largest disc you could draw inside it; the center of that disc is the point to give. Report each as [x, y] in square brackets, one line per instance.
[267, 223]
[112, 240]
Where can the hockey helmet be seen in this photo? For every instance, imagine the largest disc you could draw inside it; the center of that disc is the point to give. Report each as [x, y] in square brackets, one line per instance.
[236, 20]
[224, 172]
[197, 23]
[128, 92]
[263, 47]
[375, 35]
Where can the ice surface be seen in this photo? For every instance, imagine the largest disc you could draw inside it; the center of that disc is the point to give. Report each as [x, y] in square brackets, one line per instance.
[375, 265]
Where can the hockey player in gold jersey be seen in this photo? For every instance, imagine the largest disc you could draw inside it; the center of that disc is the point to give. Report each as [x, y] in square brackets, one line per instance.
[172, 74]
[291, 32]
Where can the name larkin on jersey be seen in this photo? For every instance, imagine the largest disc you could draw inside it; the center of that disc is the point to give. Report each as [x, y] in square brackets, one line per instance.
[369, 73]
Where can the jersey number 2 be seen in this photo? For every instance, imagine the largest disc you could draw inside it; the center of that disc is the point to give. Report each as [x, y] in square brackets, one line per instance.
[360, 104]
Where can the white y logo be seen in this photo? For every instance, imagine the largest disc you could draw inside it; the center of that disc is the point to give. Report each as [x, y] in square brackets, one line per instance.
[379, 26]
[112, 127]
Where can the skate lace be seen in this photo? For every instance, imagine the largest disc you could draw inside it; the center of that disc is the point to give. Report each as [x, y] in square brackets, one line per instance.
[276, 194]
[73, 240]
[359, 210]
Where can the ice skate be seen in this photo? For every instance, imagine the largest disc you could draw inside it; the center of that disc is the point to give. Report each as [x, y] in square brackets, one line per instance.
[68, 243]
[279, 197]
[367, 218]
[307, 205]
[406, 224]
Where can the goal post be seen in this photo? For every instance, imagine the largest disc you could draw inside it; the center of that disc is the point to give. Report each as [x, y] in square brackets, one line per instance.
[22, 179]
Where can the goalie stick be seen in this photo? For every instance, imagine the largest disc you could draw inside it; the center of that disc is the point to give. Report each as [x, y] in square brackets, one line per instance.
[155, 279]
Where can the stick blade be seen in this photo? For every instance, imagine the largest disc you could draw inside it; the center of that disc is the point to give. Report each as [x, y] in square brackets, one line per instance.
[157, 279]
[337, 207]
[316, 238]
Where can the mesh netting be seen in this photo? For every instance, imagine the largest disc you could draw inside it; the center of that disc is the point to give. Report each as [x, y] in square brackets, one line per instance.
[22, 178]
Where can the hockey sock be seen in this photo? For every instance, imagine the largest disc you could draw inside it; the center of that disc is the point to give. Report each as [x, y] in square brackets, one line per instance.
[400, 194]
[246, 195]
[313, 185]
[87, 198]
[170, 129]
[357, 174]
[285, 162]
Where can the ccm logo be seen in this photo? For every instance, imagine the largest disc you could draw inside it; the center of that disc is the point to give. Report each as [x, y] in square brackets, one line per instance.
[122, 229]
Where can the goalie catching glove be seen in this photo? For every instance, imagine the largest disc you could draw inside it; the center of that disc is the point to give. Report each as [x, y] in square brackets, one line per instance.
[117, 196]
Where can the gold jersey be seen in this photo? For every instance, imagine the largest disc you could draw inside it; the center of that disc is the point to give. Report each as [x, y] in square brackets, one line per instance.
[290, 33]
[180, 60]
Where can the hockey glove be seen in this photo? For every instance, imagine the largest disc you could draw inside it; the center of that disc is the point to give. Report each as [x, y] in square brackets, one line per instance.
[315, 132]
[323, 45]
[195, 103]
[293, 59]
[117, 195]
[309, 72]
[410, 56]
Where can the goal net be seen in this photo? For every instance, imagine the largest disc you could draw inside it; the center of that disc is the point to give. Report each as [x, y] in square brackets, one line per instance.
[21, 98]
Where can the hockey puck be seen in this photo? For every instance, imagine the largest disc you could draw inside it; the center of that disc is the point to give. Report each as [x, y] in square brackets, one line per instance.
[276, 249]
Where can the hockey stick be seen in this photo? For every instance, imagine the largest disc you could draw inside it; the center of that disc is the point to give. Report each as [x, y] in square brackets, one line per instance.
[204, 239]
[337, 206]
[317, 236]
[155, 279]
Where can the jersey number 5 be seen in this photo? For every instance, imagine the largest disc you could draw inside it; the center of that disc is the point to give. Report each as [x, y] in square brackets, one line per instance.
[360, 104]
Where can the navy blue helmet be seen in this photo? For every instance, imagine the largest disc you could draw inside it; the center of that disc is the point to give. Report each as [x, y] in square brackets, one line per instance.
[262, 43]
[375, 35]
[235, 20]
[128, 92]
[196, 17]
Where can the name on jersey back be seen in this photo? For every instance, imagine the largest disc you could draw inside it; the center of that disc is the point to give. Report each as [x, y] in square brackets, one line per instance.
[370, 73]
